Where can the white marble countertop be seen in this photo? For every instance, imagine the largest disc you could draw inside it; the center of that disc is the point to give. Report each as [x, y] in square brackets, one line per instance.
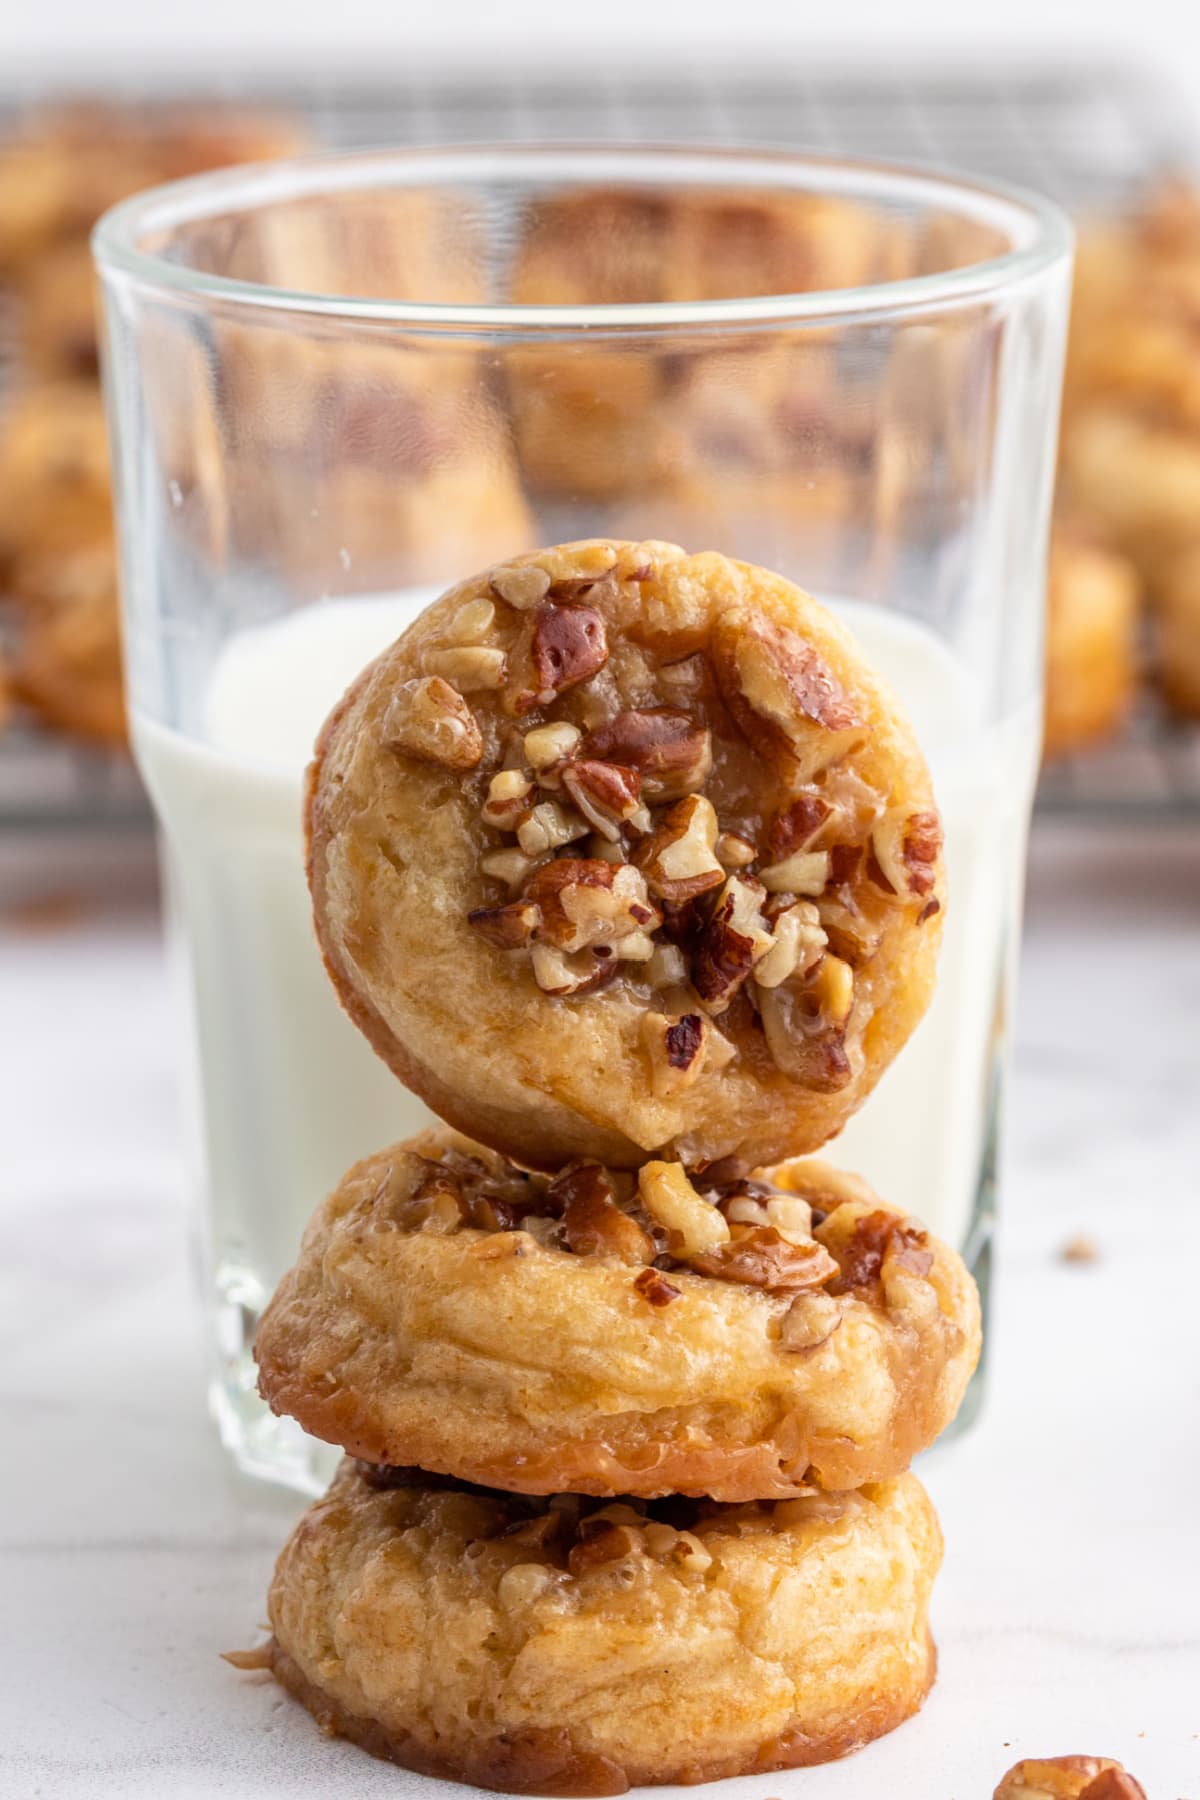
[1068, 1612]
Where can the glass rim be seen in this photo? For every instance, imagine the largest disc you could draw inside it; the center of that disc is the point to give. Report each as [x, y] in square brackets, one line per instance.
[1040, 231]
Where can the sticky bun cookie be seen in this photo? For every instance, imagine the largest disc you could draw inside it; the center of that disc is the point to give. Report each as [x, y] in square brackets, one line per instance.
[614, 1334]
[620, 851]
[560, 1647]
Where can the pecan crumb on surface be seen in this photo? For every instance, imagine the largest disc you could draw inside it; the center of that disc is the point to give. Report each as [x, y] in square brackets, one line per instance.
[1080, 1249]
[653, 1286]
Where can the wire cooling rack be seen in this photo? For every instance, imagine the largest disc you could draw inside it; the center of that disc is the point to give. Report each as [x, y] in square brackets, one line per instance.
[1091, 137]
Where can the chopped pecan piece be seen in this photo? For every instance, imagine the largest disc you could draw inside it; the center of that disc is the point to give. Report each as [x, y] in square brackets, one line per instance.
[602, 1543]
[569, 645]
[679, 1048]
[565, 975]
[876, 1237]
[546, 746]
[678, 857]
[607, 794]
[694, 1225]
[521, 587]
[672, 754]
[760, 1256]
[797, 943]
[906, 850]
[851, 935]
[431, 720]
[509, 866]
[653, 1286]
[781, 691]
[1069, 1778]
[547, 826]
[510, 927]
[796, 826]
[585, 901]
[593, 1223]
[729, 945]
[734, 852]
[508, 799]
[803, 1044]
[809, 1322]
[804, 872]
[472, 621]
[471, 667]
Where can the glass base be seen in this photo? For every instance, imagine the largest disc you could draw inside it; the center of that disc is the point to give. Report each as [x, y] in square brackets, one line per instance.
[263, 1446]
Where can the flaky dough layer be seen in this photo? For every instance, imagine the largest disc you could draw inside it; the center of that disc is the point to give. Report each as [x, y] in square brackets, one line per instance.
[469, 1636]
[720, 726]
[504, 1357]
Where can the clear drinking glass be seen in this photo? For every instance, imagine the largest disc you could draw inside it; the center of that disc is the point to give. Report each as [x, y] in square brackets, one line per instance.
[336, 384]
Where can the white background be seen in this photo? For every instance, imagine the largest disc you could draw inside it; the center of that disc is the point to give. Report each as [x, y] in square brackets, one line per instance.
[261, 36]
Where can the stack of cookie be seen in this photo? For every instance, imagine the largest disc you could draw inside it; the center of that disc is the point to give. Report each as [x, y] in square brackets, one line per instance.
[629, 866]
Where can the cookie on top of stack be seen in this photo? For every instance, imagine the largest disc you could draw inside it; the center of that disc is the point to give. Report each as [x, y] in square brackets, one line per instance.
[629, 865]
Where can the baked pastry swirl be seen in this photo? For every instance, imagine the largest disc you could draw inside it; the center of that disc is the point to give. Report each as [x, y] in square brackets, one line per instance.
[619, 850]
[562, 1648]
[612, 1334]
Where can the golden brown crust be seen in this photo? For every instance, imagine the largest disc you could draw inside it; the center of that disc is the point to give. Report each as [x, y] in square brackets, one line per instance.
[443, 1629]
[411, 1337]
[398, 843]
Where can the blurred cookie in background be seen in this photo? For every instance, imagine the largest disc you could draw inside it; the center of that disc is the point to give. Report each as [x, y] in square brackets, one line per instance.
[601, 424]
[55, 490]
[1177, 638]
[67, 665]
[1092, 667]
[58, 315]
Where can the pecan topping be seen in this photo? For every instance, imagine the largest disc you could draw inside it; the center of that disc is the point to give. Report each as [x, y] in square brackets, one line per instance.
[430, 719]
[607, 794]
[471, 667]
[672, 754]
[569, 645]
[678, 857]
[804, 872]
[905, 852]
[876, 1236]
[653, 1286]
[593, 1223]
[780, 689]
[683, 1039]
[796, 826]
[694, 1225]
[521, 587]
[678, 1048]
[760, 1256]
[797, 942]
[585, 901]
[730, 944]
[806, 1047]
[547, 826]
[1069, 1778]
[605, 1543]
[564, 975]
[548, 745]
[809, 1322]
[505, 927]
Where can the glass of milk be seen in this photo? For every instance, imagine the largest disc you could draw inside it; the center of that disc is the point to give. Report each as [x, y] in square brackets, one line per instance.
[337, 385]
